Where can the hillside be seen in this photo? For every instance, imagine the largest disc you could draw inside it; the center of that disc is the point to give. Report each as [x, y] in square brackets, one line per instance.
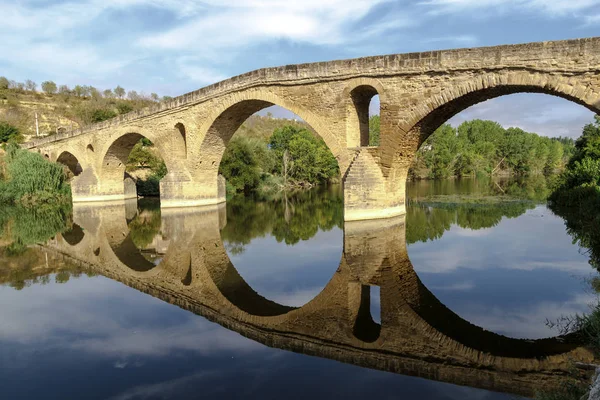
[67, 110]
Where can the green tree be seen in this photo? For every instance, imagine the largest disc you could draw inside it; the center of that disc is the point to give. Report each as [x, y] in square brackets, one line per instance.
[241, 163]
[119, 92]
[102, 114]
[49, 87]
[302, 156]
[124, 107]
[154, 97]
[4, 83]
[108, 94]
[8, 132]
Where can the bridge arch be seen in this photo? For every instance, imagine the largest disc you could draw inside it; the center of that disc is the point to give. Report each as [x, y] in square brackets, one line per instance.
[358, 96]
[71, 162]
[114, 178]
[437, 109]
[225, 121]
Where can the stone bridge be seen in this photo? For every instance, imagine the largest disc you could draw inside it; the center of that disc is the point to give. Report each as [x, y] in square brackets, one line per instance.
[417, 334]
[418, 92]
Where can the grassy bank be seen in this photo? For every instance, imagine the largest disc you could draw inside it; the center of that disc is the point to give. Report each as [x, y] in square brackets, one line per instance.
[28, 179]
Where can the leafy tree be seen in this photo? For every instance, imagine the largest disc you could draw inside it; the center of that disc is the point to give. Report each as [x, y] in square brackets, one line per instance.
[124, 107]
[241, 163]
[167, 98]
[119, 92]
[79, 91]
[49, 87]
[4, 83]
[8, 132]
[154, 97]
[102, 114]
[302, 156]
[108, 94]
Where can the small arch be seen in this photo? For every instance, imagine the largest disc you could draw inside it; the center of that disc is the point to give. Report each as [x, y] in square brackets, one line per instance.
[47, 156]
[180, 140]
[365, 328]
[358, 132]
[71, 163]
[90, 148]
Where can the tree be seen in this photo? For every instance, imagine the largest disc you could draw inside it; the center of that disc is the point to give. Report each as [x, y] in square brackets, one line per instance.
[102, 114]
[133, 95]
[108, 94]
[4, 83]
[124, 107]
[8, 132]
[167, 98]
[30, 85]
[154, 97]
[241, 163]
[119, 92]
[64, 90]
[49, 87]
[79, 91]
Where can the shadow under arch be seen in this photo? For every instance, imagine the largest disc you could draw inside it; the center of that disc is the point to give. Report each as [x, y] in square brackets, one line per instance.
[71, 162]
[73, 236]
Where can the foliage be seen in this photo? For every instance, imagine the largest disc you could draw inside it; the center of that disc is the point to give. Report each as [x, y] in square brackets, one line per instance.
[8, 133]
[32, 179]
[49, 87]
[579, 185]
[302, 157]
[28, 226]
[484, 147]
[244, 162]
[290, 218]
[143, 156]
[145, 226]
[374, 130]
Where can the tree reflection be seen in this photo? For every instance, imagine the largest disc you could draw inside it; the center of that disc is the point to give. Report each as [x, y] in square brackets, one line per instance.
[290, 218]
[425, 222]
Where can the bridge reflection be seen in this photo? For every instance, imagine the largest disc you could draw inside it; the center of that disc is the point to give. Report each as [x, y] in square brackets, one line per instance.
[417, 334]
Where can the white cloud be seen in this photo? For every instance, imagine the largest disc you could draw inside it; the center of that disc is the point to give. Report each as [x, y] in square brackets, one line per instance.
[549, 7]
[238, 23]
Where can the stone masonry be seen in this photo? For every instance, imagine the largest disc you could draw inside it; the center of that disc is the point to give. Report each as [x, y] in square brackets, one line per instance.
[418, 92]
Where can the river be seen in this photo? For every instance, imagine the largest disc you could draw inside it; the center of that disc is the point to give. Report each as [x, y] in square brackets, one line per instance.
[279, 298]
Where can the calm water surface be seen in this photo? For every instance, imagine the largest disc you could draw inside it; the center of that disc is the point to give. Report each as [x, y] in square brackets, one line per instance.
[72, 330]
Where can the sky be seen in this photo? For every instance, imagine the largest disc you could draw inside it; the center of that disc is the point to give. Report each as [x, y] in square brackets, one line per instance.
[172, 47]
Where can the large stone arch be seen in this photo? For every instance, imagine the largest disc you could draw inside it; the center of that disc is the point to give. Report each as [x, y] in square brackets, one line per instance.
[222, 123]
[432, 112]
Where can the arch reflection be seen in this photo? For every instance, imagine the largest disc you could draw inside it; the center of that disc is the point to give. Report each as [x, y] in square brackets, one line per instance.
[417, 335]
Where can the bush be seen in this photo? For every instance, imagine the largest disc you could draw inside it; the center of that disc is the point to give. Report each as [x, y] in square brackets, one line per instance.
[8, 133]
[32, 179]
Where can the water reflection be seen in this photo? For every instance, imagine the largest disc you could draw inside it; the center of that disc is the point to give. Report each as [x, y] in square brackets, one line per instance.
[417, 335]
[370, 308]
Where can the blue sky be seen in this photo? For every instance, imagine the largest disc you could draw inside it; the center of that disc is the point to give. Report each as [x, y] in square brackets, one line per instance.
[175, 46]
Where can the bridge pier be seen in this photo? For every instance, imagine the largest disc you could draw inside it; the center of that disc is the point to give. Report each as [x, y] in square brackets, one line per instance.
[179, 191]
[368, 194]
